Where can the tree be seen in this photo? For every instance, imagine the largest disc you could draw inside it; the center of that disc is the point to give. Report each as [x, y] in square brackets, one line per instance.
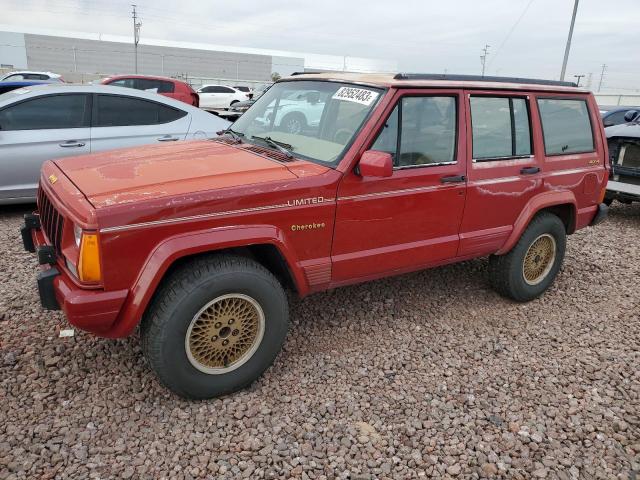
[275, 76]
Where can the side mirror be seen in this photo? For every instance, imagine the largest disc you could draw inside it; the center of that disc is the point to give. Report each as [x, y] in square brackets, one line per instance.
[374, 163]
[631, 115]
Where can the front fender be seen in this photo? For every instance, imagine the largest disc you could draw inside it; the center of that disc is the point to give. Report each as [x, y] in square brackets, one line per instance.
[537, 203]
[179, 246]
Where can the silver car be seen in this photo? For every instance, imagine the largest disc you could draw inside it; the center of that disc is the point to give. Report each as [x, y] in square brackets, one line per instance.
[51, 121]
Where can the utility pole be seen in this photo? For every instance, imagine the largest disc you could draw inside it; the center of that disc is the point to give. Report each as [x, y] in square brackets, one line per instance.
[136, 35]
[589, 80]
[483, 57]
[578, 77]
[604, 67]
[568, 47]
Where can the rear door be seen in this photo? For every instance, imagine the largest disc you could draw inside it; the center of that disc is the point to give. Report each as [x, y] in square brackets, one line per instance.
[39, 129]
[411, 219]
[120, 121]
[505, 170]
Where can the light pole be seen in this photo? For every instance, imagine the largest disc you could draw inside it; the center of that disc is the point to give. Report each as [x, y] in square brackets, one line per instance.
[578, 77]
[568, 47]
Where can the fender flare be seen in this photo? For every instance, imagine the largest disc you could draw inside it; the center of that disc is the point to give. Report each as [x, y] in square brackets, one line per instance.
[193, 243]
[537, 203]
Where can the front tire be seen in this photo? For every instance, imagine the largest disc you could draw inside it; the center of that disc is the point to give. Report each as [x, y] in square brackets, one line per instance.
[214, 326]
[528, 270]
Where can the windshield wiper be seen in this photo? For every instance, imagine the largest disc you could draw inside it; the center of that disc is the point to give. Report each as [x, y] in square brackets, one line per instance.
[280, 146]
[237, 136]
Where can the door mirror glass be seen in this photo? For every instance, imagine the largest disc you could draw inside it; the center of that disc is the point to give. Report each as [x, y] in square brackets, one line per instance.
[374, 163]
[631, 115]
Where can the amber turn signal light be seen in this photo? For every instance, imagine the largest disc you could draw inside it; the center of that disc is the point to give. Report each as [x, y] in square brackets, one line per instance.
[89, 265]
[602, 194]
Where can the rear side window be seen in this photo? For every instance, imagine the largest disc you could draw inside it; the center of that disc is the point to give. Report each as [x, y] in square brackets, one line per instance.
[51, 112]
[566, 126]
[118, 111]
[501, 127]
[159, 86]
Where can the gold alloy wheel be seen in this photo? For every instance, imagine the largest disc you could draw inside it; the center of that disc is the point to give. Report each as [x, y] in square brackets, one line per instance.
[539, 259]
[225, 333]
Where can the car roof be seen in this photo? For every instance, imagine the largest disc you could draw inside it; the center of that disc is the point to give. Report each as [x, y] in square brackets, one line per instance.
[24, 83]
[399, 80]
[57, 88]
[149, 77]
[18, 72]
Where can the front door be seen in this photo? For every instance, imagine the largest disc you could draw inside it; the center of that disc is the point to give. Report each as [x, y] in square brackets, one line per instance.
[36, 130]
[411, 219]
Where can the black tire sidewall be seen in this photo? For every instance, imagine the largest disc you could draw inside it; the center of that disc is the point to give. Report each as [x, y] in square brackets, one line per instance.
[545, 224]
[176, 365]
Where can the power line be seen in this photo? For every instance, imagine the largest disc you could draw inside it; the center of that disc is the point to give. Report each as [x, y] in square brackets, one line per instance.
[511, 30]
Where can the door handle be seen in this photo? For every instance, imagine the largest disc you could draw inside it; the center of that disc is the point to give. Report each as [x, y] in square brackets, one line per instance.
[530, 170]
[453, 179]
[168, 138]
[71, 143]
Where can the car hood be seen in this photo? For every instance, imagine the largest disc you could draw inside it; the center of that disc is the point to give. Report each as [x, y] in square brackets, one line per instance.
[122, 176]
[623, 130]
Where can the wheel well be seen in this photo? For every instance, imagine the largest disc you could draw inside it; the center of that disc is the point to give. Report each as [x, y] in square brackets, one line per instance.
[266, 255]
[565, 212]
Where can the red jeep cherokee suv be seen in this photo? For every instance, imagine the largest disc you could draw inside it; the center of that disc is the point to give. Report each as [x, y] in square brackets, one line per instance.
[196, 242]
[169, 87]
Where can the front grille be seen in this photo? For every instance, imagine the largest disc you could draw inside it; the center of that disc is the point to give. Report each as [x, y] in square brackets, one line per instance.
[50, 219]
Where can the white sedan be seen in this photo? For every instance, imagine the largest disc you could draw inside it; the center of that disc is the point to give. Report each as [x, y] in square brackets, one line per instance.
[220, 96]
[51, 121]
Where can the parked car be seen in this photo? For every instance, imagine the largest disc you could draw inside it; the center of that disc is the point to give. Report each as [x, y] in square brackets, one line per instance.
[615, 116]
[53, 121]
[237, 109]
[245, 89]
[295, 113]
[14, 85]
[169, 87]
[219, 96]
[29, 75]
[624, 151]
[197, 242]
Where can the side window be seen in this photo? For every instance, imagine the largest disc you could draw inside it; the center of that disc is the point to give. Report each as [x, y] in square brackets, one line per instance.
[226, 90]
[615, 118]
[500, 127]
[124, 82]
[427, 132]
[566, 126]
[118, 111]
[166, 87]
[51, 112]
[387, 140]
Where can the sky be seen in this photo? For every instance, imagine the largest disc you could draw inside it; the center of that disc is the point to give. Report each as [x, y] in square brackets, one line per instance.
[525, 37]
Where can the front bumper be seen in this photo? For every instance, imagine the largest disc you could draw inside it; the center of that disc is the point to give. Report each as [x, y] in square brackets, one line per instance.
[93, 310]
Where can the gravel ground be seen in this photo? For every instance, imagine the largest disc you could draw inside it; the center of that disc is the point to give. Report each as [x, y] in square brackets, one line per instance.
[425, 375]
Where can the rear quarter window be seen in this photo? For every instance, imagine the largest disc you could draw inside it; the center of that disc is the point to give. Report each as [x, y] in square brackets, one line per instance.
[566, 126]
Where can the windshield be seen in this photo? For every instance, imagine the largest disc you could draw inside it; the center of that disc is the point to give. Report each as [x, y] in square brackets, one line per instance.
[313, 120]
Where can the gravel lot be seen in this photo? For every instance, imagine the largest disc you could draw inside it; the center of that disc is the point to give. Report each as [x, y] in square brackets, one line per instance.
[425, 375]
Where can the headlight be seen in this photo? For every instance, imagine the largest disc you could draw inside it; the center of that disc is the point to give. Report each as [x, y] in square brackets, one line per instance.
[77, 234]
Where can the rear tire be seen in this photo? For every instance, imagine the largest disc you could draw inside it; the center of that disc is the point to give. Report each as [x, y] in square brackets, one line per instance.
[528, 270]
[293, 123]
[214, 326]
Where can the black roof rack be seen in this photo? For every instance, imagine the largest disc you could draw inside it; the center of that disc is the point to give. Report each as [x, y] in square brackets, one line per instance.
[479, 78]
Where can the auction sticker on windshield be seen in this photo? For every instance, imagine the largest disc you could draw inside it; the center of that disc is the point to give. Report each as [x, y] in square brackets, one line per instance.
[358, 95]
